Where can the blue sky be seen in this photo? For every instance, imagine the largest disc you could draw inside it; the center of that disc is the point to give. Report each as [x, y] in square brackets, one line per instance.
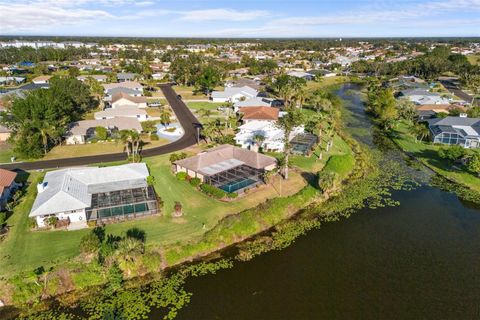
[241, 18]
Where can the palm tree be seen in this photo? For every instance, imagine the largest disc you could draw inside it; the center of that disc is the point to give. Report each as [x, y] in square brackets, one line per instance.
[136, 141]
[126, 138]
[420, 131]
[258, 139]
[165, 115]
[128, 252]
[320, 101]
[287, 123]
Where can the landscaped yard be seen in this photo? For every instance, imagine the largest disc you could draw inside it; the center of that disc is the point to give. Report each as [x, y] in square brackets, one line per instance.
[474, 59]
[427, 153]
[196, 105]
[25, 250]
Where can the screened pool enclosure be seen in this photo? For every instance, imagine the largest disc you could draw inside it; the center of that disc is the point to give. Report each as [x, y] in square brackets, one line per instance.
[129, 203]
[236, 179]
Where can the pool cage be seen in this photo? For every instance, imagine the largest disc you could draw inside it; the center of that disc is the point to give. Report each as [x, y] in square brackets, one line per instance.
[303, 143]
[123, 204]
[236, 179]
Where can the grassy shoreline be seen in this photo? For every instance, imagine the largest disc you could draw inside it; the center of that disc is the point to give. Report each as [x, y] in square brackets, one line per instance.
[427, 155]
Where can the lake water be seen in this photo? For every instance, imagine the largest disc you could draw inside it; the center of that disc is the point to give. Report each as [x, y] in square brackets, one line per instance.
[420, 260]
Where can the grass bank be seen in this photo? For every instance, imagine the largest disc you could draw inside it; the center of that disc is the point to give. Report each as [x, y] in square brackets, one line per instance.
[427, 154]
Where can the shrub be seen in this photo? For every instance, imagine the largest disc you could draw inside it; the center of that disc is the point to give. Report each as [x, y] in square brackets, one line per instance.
[51, 221]
[212, 191]
[195, 182]
[89, 243]
[154, 137]
[177, 156]
[232, 195]
[3, 219]
[101, 133]
[182, 176]
[32, 222]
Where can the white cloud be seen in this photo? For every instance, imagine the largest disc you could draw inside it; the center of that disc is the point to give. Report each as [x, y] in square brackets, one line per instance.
[34, 17]
[222, 15]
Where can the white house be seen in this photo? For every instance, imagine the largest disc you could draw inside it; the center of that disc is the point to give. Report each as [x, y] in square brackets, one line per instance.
[422, 96]
[273, 135]
[86, 194]
[122, 112]
[234, 94]
[127, 84]
[98, 77]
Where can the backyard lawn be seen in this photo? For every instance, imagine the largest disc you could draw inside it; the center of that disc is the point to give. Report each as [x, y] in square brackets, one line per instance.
[427, 153]
[25, 250]
[325, 82]
[197, 105]
[474, 59]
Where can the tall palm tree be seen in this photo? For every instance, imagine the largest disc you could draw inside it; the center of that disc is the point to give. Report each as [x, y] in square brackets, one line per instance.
[126, 139]
[128, 252]
[165, 115]
[258, 139]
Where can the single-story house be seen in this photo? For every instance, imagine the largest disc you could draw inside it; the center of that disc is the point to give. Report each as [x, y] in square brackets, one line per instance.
[461, 131]
[227, 167]
[273, 135]
[7, 80]
[98, 77]
[111, 92]
[41, 79]
[121, 99]
[421, 96]
[301, 74]
[79, 132]
[127, 84]
[428, 111]
[79, 195]
[7, 186]
[123, 112]
[258, 113]
[234, 94]
[126, 76]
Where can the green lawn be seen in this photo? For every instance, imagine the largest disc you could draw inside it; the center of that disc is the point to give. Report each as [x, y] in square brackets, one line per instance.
[312, 163]
[195, 105]
[427, 153]
[325, 83]
[474, 59]
[89, 149]
[25, 250]
[5, 152]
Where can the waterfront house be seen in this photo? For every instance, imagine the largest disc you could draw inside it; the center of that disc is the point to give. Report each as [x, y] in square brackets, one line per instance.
[259, 113]
[76, 196]
[461, 131]
[227, 167]
[421, 96]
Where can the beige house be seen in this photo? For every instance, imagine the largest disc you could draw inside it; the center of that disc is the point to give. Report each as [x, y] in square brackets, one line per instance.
[122, 99]
[227, 167]
[80, 131]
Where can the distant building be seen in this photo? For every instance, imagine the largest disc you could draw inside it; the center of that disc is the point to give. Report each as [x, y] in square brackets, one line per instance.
[125, 76]
[41, 79]
[98, 77]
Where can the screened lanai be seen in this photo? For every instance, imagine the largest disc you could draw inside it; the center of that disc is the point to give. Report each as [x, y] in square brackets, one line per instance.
[122, 204]
[236, 178]
[303, 143]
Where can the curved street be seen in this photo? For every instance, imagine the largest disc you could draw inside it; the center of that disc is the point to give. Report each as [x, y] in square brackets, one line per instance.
[189, 122]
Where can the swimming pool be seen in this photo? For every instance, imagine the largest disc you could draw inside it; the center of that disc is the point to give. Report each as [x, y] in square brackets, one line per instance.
[237, 185]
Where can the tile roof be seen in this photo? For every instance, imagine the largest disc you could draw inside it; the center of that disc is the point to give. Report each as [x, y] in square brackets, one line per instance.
[7, 177]
[225, 156]
[259, 113]
[122, 95]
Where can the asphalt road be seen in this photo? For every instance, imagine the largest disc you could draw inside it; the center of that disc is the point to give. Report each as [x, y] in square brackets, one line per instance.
[188, 121]
[453, 88]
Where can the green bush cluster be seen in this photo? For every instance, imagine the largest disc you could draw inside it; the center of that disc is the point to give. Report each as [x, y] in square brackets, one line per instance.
[195, 182]
[212, 191]
[154, 137]
[182, 176]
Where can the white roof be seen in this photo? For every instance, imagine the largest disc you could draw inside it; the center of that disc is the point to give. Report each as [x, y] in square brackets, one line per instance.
[230, 92]
[124, 111]
[254, 102]
[72, 188]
